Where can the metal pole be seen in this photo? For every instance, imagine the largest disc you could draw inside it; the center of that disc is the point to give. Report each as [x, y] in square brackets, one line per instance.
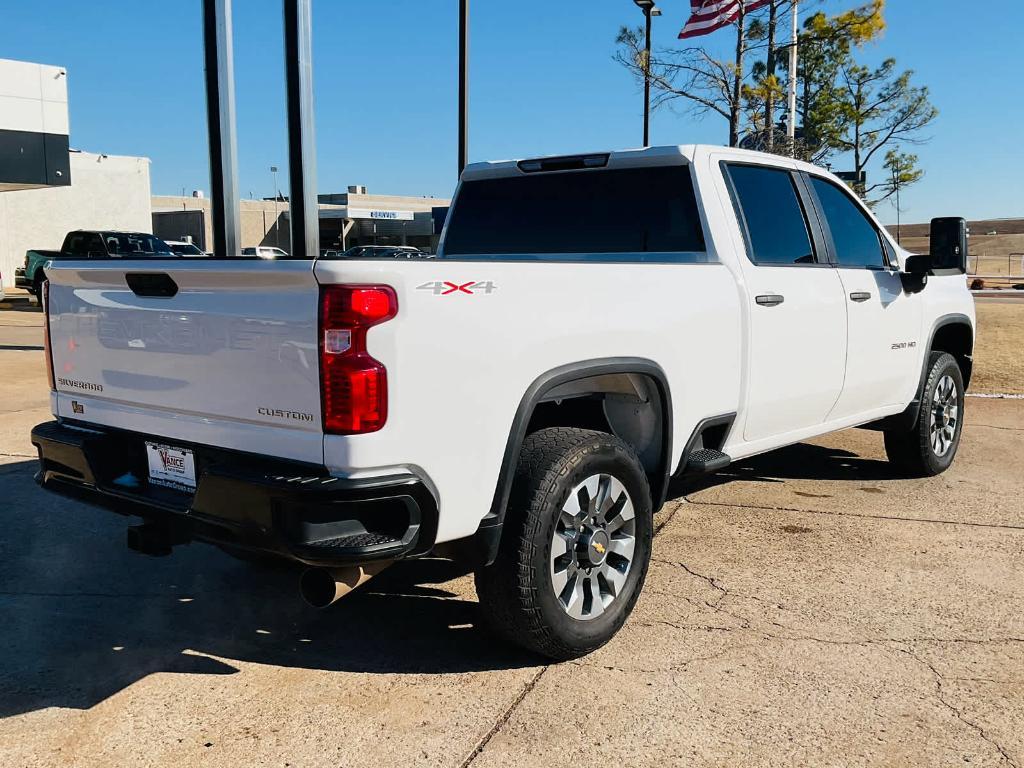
[895, 180]
[791, 126]
[463, 85]
[647, 78]
[277, 215]
[737, 83]
[220, 122]
[298, 62]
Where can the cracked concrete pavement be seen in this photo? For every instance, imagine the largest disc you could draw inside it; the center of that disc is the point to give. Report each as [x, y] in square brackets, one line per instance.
[804, 608]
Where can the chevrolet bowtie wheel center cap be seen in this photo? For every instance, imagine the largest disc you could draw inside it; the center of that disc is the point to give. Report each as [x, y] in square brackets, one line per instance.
[593, 547]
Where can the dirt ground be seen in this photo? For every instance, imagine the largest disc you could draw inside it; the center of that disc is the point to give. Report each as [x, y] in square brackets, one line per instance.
[999, 351]
[996, 246]
[807, 607]
[997, 255]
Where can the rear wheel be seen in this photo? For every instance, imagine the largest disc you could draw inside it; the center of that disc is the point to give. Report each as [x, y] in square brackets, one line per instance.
[930, 447]
[575, 546]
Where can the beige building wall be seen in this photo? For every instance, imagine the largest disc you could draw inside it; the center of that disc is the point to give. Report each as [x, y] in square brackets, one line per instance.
[167, 203]
[263, 225]
[107, 192]
[259, 218]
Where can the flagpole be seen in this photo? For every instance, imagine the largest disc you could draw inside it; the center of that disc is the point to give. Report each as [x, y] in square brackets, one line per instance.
[791, 127]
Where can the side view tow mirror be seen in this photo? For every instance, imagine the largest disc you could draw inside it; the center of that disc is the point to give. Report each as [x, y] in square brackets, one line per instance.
[915, 273]
[948, 246]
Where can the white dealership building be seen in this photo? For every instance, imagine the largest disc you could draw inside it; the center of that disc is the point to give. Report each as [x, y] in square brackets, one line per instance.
[46, 188]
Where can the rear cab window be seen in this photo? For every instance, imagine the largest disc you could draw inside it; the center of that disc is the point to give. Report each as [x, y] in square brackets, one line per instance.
[616, 214]
[77, 244]
[771, 215]
[128, 245]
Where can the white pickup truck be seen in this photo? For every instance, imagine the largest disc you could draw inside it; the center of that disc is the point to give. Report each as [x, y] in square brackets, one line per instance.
[592, 327]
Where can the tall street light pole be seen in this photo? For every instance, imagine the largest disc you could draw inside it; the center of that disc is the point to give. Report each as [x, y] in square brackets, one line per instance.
[649, 9]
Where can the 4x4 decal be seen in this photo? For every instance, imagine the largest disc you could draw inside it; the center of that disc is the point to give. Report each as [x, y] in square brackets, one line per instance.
[447, 288]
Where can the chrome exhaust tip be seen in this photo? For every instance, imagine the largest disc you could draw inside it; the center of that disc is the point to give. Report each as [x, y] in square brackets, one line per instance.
[321, 587]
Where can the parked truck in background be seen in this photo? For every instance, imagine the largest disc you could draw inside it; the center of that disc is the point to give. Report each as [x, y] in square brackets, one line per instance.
[592, 327]
[89, 244]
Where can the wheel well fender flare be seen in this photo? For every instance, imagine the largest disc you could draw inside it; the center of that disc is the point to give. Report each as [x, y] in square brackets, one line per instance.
[492, 522]
[941, 322]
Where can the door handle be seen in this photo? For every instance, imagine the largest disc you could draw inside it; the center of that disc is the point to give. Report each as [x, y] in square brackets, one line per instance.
[859, 296]
[769, 299]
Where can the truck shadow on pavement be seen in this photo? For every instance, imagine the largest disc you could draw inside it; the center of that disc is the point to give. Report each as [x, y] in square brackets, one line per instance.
[84, 617]
[21, 302]
[802, 461]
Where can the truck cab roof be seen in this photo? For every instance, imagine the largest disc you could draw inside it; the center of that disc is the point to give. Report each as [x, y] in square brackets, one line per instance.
[696, 155]
[679, 154]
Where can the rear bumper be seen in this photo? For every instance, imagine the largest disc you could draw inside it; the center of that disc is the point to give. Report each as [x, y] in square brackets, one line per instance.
[297, 511]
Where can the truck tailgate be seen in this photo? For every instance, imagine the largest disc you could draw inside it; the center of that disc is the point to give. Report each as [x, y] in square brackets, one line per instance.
[230, 359]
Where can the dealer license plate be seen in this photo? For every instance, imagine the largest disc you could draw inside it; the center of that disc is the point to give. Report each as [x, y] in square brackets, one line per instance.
[171, 467]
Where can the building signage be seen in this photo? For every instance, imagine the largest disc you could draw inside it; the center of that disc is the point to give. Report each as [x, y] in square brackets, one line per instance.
[368, 213]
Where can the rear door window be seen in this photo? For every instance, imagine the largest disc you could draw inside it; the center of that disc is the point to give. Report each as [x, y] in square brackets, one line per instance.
[768, 207]
[611, 215]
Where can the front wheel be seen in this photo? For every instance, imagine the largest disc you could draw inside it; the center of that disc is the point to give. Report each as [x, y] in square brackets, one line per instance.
[929, 448]
[575, 547]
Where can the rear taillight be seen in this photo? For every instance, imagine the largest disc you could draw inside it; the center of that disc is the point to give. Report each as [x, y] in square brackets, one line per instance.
[44, 297]
[354, 386]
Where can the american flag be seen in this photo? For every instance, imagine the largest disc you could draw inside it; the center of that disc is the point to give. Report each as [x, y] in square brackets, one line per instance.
[708, 15]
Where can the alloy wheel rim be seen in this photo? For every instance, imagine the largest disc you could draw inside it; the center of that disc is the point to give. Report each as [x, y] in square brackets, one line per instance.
[945, 416]
[592, 546]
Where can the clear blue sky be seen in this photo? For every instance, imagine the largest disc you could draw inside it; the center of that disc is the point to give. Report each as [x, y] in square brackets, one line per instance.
[543, 82]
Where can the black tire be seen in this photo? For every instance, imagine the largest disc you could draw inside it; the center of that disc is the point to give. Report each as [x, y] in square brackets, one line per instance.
[913, 451]
[516, 593]
[37, 287]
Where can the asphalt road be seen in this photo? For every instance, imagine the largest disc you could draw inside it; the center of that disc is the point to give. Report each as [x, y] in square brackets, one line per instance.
[21, 324]
[805, 608]
[1000, 297]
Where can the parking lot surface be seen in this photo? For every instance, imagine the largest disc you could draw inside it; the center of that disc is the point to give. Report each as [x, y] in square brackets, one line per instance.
[804, 608]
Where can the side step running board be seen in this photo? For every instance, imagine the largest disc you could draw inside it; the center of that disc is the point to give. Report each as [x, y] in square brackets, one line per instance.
[706, 460]
[698, 458]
